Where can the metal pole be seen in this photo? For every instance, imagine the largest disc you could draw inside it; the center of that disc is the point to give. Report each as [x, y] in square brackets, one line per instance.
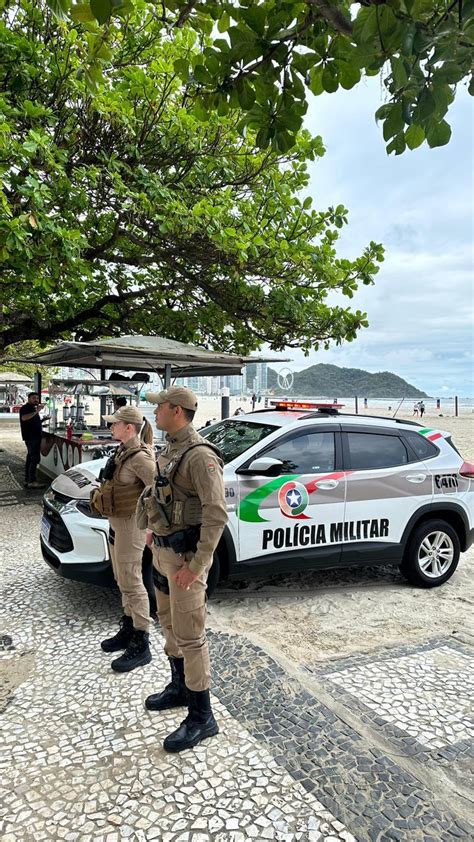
[456, 406]
[225, 402]
[167, 382]
[356, 399]
[103, 399]
[37, 383]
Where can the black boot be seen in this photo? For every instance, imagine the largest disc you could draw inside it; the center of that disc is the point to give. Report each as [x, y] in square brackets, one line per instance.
[137, 653]
[175, 694]
[122, 638]
[198, 725]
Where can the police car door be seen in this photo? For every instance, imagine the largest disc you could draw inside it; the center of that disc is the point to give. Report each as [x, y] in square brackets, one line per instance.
[291, 495]
[387, 483]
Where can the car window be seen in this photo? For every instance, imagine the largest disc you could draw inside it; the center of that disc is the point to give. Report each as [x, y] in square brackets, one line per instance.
[235, 437]
[375, 450]
[423, 448]
[312, 453]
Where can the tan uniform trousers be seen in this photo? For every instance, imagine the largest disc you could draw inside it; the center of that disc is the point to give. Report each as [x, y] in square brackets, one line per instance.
[182, 616]
[127, 552]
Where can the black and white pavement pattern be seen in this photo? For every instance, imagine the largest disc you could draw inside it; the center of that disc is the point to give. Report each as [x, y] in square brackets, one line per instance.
[373, 747]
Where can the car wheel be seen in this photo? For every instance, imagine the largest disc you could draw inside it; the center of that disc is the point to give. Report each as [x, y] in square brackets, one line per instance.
[213, 576]
[432, 554]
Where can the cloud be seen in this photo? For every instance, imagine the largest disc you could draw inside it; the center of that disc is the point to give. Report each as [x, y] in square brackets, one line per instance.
[420, 206]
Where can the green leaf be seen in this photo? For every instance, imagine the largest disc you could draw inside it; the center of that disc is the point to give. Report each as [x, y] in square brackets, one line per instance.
[181, 68]
[82, 13]
[414, 136]
[59, 8]
[255, 17]
[307, 203]
[397, 145]
[349, 74]
[245, 93]
[223, 22]
[200, 112]
[202, 75]
[101, 9]
[438, 134]
[329, 79]
[399, 73]
[394, 121]
[316, 80]
[262, 140]
[426, 105]
[365, 25]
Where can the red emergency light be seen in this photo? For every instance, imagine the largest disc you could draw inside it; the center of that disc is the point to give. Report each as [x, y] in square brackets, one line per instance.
[287, 404]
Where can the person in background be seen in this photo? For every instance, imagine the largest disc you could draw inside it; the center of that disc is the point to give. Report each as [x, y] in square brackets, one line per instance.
[131, 468]
[415, 408]
[254, 401]
[422, 409]
[31, 425]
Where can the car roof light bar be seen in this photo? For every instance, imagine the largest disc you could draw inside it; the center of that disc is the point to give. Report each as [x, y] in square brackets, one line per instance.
[326, 408]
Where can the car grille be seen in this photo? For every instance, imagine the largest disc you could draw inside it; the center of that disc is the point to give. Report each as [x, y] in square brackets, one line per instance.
[59, 537]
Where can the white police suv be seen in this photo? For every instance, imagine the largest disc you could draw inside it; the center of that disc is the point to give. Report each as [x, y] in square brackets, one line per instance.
[307, 487]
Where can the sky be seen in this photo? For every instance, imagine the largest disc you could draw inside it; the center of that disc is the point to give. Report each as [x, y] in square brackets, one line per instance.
[420, 206]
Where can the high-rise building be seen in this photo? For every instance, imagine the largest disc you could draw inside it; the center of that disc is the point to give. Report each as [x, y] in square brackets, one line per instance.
[256, 378]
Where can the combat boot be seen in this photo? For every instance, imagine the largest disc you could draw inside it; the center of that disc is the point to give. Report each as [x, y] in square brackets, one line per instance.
[122, 638]
[198, 725]
[175, 694]
[137, 653]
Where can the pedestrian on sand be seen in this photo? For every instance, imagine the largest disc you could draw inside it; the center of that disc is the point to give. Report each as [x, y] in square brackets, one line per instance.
[186, 513]
[254, 401]
[422, 409]
[415, 408]
[31, 426]
[131, 468]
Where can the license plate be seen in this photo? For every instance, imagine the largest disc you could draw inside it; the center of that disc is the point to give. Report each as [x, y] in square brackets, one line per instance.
[45, 529]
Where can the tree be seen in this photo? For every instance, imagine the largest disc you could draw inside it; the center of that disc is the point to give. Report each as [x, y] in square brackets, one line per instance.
[122, 212]
[262, 56]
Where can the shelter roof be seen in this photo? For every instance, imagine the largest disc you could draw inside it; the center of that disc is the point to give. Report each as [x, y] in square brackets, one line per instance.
[146, 353]
[14, 377]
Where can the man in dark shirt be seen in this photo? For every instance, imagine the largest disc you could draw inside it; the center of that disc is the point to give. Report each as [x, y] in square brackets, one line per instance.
[31, 426]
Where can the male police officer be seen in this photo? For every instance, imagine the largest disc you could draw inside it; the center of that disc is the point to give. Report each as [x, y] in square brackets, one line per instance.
[185, 513]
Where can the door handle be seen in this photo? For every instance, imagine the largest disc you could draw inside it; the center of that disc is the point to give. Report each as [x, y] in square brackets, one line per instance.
[416, 477]
[327, 483]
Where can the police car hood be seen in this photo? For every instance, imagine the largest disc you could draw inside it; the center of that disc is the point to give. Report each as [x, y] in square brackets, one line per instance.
[78, 482]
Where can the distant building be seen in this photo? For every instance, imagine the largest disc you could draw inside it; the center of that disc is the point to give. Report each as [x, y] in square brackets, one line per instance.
[256, 378]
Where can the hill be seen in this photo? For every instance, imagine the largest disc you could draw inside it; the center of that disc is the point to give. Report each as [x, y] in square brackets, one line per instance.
[332, 381]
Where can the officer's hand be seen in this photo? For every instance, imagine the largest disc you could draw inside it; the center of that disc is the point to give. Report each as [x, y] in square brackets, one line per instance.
[184, 578]
[149, 538]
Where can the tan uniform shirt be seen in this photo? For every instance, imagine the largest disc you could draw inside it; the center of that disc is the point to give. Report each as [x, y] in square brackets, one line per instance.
[199, 474]
[141, 465]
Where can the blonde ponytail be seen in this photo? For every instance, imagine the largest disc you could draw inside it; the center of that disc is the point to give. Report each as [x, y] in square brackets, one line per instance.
[146, 434]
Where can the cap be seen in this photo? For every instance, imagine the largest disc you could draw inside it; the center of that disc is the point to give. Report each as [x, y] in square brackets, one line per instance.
[127, 414]
[177, 395]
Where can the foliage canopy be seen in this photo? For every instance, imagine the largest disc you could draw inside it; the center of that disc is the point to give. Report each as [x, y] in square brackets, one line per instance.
[262, 56]
[123, 213]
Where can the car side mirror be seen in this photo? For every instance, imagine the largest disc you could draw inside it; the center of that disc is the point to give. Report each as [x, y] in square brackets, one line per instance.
[263, 465]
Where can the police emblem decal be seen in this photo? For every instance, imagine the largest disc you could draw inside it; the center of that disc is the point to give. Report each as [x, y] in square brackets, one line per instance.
[293, 499]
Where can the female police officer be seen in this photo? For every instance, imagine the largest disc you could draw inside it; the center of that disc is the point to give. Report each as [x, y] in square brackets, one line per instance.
[125, 476]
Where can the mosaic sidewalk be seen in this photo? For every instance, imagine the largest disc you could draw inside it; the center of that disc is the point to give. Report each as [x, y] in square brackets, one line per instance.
[370, 748]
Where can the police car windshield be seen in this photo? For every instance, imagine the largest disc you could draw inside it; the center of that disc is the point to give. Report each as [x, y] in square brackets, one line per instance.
[235, 437]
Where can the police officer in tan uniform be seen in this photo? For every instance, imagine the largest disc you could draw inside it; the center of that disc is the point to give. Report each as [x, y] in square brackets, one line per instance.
[185, 513]
[127, 473]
